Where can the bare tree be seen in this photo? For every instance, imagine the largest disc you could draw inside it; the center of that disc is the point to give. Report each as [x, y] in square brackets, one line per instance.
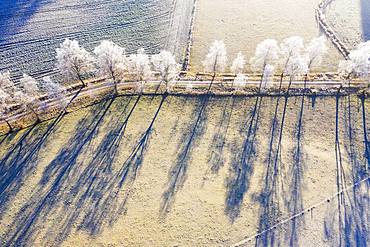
[73, 61]
[216, 58]
[267, 53]
[165, 63]
[112, 61]
[139, 66]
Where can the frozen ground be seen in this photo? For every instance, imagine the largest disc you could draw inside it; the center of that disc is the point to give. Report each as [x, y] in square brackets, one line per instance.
[242, 24]
[350, 20]
[30, 30]
[190, 171]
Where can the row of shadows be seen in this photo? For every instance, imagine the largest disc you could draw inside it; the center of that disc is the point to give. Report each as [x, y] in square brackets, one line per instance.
[94, 195]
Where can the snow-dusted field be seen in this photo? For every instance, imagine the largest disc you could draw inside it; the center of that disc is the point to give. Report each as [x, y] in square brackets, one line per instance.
[190, 171]
[30, 30]
[242, 24]
[350, 20]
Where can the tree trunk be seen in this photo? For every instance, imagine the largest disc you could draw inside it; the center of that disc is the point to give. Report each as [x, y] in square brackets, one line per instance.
[35, 113]
[82, 81]
[290, 84]
[281, 80]
[261, 81]
[9, 126]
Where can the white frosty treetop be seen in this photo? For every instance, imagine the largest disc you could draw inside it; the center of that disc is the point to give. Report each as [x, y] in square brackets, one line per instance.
[315, 51]
[359, 61]
[216, 58]
[238, 64]
[4, 97]
[297, 65]
[111, 60]
[30, 85]
[51, 88]
[289, 48]
[73, 61]
[165, 63]
[267, 52]
[267, 75]
[6, 83]
[139, 65]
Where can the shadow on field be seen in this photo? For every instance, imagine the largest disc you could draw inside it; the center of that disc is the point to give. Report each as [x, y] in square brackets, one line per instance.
[242, 165]
[269, 198]
[365, 18]
[177, 173]
[56, 177]
[216, 156]
[107, 197]
[294, 199]
[353, 205]
[15, 14]
[20, 160]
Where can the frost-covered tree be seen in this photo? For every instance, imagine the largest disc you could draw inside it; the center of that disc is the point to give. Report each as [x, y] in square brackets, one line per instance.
[267, 53]
[290, 48]
[358, 63]
[315, 51]
[216, 58]
[239, 81]
[30, 86]
[112, 61]
[4, 108]
[267, 75]
[29, 96]
[54, 91]
[298, 65]
[139, 66]
[165, 63]
[238, 64]
[73, 61]
[7, 84]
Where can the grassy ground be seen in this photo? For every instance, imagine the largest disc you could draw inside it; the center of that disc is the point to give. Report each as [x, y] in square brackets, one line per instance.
[185, 171]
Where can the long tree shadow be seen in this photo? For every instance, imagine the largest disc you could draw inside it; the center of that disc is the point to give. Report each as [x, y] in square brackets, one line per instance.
[294, 199]
[365, 130]
[108, 196]
[242, 165]
[269, 198]
[356, 222]
[54, 179]
[20, 160]
[352, 206]
[177, 174]
[217, 146]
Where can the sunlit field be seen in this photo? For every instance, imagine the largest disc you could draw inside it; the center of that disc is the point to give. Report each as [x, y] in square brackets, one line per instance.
[184, 142]
[152, 171]
[242, 24]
